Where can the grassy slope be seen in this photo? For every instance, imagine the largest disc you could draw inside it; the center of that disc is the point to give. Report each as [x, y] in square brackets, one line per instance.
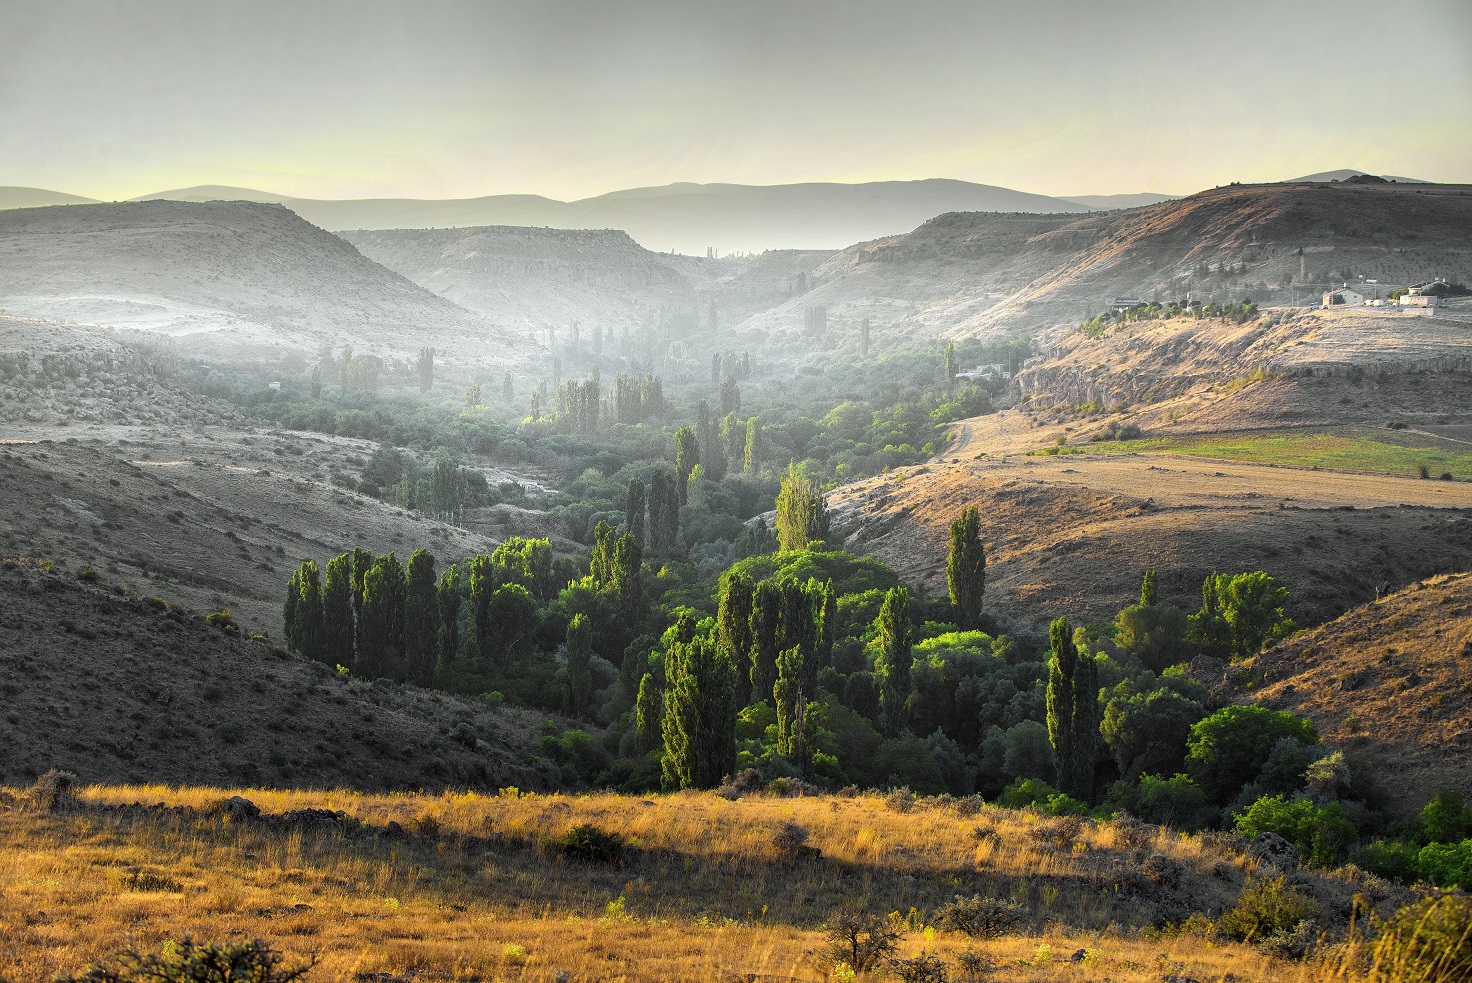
[1392, 683]
[1354, 451]
[705, 896]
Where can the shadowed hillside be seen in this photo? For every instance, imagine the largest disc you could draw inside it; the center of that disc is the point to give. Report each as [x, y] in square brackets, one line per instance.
[232, 280]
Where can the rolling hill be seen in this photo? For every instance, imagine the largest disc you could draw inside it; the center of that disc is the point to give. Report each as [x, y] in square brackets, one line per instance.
[529, 279]
[1391, 682]
[239, 281]
[976, 274]
[687, 218]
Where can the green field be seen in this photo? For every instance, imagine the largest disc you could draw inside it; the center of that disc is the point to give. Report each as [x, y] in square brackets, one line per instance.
[1349, 453]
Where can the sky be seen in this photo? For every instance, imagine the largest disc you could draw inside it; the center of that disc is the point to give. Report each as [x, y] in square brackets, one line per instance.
[461, 98]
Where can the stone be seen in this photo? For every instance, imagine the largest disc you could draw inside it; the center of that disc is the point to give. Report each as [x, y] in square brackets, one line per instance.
[1271, 850]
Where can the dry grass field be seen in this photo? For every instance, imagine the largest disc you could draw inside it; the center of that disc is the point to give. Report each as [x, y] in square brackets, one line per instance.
[470, 887]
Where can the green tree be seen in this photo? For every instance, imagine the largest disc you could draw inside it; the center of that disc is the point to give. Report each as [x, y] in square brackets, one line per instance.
[309, 635]
[733, 626]
[895, 658]
[1228, 749]
[449, 601]
[699, 726]
[1147, 732]
[362, 563]
[381, 624]
[634, 513]
[421, 618]
[1147, 589]
[706, 438]
[512, 615]
[687, 456]
[753, 462]
[730, 396]
[482, 586]
[765, 634]
[424, 368]
[1073, 712]
[949, 367]
[1238, 614]
[802, 515]
[291, 611]
[664, 512]
[787, 697]
[337, 612]
[579, 665]
[648, 714]
[966, 569]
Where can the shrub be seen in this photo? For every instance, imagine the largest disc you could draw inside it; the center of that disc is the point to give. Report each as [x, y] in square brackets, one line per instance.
[1265, 907]
[223, 620]
[1322, 835]
[186, 961]
[859, 939]
[87, 574]
[1395, 860]
[1429, 941]
[900, 800]
[54, 790]
[1447, 864]
[152, 880]
[1161, 870]
[978, 917]
[790, 836]
[591, 844]
[924, 968]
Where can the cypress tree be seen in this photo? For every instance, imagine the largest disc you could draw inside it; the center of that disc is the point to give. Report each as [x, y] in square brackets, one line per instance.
[648, 714]
[1073, 712]
[802, 515]
[966, 569]
[827, 618]
[579, 659]
[687, 456]
[449, 601]
[337, 611]
[895, 655]
[733, 627]
[1147, 589]
[421, 619]
[699, 726]
[950, 368]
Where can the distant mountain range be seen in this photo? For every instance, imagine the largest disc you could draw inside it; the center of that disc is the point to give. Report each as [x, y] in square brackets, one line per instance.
[685, 218]
[1345, 174]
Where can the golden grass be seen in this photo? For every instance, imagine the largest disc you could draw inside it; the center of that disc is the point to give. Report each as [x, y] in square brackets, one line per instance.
[470, 894]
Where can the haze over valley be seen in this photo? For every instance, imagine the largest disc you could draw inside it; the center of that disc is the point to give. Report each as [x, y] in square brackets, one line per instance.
[990, 500]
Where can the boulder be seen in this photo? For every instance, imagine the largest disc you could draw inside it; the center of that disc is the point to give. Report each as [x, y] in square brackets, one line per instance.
[1271, 850]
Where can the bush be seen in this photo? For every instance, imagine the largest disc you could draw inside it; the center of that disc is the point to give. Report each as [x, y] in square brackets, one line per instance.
[1228, 749]
[1447, 864]
[860, 939]
[978, 917]
[87, 574]
[591, 844]
[924, 968]
[1322, 835]
[186, 961]
[1429, 941]
[1265, 908]
[224, 621]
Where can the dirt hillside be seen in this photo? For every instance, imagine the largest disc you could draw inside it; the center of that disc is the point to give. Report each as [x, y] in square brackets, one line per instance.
[1390, 681]
[234, 280]
[98, 682]
[986, 274]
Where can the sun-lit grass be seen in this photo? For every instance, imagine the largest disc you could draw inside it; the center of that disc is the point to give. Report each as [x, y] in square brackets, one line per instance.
[473, 889]
[1357, 452]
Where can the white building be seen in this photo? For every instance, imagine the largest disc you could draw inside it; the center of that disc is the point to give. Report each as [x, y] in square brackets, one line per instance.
[1343, 297]
[1420, 295]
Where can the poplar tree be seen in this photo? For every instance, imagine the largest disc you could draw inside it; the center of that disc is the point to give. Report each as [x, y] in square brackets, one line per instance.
[699, 726]
[786, 696]
[579, 665]
[1073, 712]
[966, 569]
[381, 624]
[664, 512]
[802, 515]
[337, 612]
[648, 714]
[362, 563]
[482, 586]
[950, 367]
[309, 635]
[1147, 589]
[733, 627]
[290, 611]
[634, 513]
[687, 456]
[766, 619]
[753, 462]
[449, 602]
[711, 457]
[421, 619]
[895, 656]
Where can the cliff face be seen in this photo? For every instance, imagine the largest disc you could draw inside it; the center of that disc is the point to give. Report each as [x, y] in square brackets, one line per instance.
[239, 280]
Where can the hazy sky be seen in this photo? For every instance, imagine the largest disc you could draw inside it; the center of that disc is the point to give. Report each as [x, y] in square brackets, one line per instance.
[460, 98]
